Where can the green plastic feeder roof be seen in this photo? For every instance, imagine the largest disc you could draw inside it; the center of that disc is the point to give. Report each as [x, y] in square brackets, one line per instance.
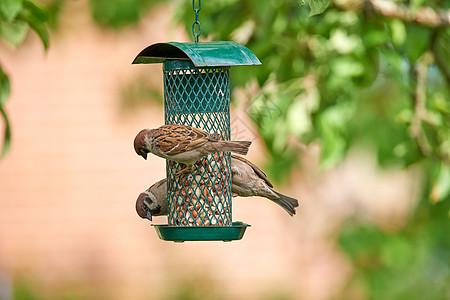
[210, 54]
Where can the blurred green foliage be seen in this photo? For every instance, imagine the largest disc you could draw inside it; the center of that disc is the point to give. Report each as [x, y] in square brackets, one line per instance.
[16, 17]
[120, 13]
[24, 289]
[355, 76]
[411, 263]
[344, 77]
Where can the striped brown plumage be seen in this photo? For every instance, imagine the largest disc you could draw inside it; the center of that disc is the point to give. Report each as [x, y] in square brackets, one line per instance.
[184, 144]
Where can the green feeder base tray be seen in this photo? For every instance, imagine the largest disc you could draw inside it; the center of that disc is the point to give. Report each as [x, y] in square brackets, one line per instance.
[201, 233]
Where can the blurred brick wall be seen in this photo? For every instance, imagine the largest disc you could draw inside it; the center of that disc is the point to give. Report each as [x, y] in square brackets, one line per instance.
[69, 184]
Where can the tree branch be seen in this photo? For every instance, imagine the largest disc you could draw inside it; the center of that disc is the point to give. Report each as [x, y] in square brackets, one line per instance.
[419, 76]
[424, 15]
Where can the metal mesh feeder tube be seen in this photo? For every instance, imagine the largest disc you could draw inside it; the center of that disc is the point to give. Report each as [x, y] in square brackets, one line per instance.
[197, 94]
[199, 97]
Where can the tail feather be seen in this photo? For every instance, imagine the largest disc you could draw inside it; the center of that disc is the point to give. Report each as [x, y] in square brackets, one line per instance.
[239, 147]
[287, 203]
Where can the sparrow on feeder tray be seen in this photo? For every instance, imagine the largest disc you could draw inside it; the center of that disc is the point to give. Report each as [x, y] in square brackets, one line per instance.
[247, 180]
[184, 144]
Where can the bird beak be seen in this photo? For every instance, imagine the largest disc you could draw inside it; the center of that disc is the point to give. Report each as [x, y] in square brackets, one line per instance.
[149, 216]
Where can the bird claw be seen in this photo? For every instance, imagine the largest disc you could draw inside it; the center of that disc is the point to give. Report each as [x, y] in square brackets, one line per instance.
[183, 171]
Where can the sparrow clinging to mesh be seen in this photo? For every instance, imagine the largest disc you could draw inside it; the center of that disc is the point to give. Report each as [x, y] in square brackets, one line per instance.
[247, 180]
[184, 144]
[153, 201]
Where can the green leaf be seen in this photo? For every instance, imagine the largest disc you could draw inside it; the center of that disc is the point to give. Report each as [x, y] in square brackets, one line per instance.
[118, 14]
[441, 50]
[7, 134]
[13, 32]
[417, 41]
[41, 30]
[346, 66]
[318, 6]
[333, 126]
[5, 89]
[37, 12]
[344, 43]
[441, 188]
[398, 32]
[37, 18]
[10, 8]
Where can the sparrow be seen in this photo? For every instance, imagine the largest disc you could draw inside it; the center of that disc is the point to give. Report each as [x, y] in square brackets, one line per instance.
[153, 201]
[184, 144]
[247, 180]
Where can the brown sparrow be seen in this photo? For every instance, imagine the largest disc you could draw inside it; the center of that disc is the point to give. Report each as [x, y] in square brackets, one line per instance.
[247, 180]
[153, 201]
[184, 144]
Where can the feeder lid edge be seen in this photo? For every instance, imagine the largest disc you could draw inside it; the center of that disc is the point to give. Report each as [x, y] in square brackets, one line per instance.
[208, 54]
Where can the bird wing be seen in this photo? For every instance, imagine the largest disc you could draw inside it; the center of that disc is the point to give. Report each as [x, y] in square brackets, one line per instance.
[174, 139]
[157, 184]
[255, 168]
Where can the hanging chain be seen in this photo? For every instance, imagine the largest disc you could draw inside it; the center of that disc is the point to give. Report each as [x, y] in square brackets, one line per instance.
[195, 32]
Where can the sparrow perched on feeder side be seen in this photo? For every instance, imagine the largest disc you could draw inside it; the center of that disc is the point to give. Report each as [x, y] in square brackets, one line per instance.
[247, 180]
[184, 144]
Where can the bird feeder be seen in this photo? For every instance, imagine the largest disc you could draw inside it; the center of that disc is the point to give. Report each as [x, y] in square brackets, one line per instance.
[197, 93]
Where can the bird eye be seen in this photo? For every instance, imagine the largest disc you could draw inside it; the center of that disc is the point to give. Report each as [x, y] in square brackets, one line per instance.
[145, 207]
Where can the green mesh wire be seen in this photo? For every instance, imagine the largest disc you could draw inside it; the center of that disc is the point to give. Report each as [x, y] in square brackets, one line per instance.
[199, 97]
